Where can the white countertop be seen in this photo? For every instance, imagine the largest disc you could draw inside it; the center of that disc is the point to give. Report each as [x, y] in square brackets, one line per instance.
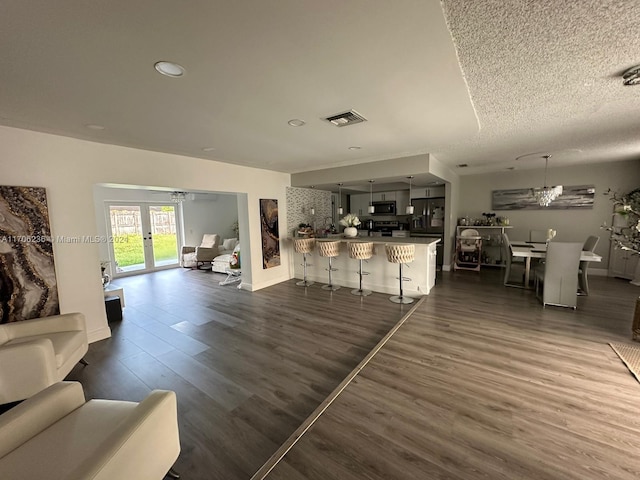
[381, 240]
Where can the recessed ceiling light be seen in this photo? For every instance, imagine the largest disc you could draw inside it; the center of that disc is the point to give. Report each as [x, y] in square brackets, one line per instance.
[169, 69]
[355, 148]
[93, 126]
[296, 122]
[208, 149]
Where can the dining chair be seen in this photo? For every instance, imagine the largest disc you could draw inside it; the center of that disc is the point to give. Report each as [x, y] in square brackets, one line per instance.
[556, 281]
[583, 283]
[507, 254]
[541, 236]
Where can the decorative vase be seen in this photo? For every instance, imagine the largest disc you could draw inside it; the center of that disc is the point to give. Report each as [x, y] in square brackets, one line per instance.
[106, 278]
[350, 232]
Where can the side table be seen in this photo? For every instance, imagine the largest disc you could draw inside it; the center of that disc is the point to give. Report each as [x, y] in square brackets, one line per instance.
[114, 291]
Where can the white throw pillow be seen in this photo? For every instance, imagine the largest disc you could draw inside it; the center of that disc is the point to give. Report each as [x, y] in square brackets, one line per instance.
[229, 243]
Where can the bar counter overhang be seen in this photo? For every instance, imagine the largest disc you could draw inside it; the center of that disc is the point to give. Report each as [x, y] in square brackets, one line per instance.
[383, 275]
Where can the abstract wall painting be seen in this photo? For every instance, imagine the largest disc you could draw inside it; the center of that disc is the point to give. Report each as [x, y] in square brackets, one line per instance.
[573, 197]
[270, 233]
[28, 287]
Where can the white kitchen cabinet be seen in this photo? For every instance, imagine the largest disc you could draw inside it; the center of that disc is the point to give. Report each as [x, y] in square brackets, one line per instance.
[359, 204]
[402, 200]
[384, 197]
[428, 192]
[622, 263]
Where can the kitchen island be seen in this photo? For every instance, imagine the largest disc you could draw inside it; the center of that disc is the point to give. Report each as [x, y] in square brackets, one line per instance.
[383, 276]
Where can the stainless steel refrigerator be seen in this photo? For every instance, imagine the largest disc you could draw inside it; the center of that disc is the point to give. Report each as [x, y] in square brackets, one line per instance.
[428, 221]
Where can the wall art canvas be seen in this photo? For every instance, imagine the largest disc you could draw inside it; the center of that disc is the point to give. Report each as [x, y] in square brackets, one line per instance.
[28, 287]
[270, 233]
[576, 196]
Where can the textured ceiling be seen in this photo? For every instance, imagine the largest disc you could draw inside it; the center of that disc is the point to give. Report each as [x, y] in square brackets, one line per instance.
[475, 82]
[544, 76]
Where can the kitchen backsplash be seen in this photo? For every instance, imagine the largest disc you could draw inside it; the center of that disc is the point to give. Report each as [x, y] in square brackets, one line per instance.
[299, 204]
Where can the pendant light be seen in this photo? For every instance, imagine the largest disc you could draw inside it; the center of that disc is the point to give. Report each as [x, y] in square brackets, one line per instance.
[340, 210]
[371, 208]
[545, 195]
[409, 209]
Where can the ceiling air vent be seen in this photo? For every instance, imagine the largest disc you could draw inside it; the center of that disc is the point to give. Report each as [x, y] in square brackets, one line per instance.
[346, 118]
[462, 165]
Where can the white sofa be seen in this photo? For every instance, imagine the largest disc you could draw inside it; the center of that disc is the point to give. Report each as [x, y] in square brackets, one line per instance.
[221, 262]
[56, 435]
[39, 352]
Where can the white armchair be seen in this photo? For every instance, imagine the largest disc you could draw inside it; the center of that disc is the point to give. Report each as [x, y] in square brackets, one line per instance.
[205, 253]
[57, 435]
[39, 352]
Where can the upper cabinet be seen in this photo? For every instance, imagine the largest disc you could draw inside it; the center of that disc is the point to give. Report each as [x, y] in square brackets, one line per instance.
[402, 200]
[428, 192]
[384, 196]
[358, 204]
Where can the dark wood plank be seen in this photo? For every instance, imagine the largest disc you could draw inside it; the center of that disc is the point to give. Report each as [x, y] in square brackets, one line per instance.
[248, 368]
[482, 382]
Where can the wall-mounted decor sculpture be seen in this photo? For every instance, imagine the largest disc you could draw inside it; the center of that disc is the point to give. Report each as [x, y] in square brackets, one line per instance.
[28, 287]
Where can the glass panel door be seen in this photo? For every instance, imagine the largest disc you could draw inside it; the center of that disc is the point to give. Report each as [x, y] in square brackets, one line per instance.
[164, 238]
[145, 237]
[128, 244]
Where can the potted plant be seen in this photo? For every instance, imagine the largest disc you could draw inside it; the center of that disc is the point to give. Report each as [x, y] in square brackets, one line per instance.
[350, 221]
[626, 236]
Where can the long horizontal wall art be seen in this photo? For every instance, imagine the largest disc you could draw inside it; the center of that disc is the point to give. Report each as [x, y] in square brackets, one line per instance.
[576, 196]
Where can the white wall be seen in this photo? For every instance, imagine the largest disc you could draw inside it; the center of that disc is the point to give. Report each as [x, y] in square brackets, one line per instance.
[69, 168]
[572, 225]
[212, 213]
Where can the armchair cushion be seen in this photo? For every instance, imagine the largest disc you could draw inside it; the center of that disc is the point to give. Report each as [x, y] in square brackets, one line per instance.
[228, 244]
[206, 252]
[37, 353]
[56, 435]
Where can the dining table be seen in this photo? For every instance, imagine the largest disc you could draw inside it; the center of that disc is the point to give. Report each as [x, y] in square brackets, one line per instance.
[529, 250]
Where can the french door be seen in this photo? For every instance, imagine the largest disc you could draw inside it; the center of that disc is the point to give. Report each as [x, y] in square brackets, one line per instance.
[144, 237]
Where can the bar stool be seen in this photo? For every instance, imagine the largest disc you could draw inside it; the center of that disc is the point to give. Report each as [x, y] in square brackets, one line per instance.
[304, 246]
[400, 253]
[361, 251]
[330, 250]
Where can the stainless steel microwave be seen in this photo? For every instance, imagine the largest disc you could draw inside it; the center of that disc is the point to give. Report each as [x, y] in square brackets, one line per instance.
[384, 208]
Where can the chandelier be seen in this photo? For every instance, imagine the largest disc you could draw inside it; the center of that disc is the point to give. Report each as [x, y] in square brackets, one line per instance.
[545, 195]
[177, 197]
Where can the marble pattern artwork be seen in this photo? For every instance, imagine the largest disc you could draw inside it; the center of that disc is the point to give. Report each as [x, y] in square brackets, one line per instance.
[299, 204]
[270, 233]
[28, 287]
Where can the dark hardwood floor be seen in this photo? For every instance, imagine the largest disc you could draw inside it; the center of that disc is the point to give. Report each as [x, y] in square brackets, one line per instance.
[248, 368]
[483, 383]
[480, 382]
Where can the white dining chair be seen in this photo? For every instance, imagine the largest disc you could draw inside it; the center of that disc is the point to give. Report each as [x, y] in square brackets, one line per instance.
[541, 236]
[510, 260]
[557, 280]
[583, 283]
